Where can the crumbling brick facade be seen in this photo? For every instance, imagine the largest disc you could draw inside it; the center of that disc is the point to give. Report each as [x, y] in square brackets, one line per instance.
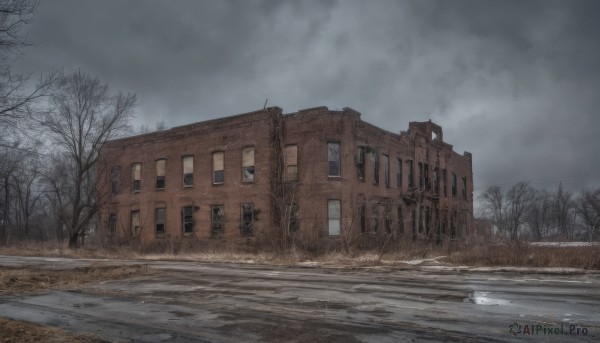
[316, 174]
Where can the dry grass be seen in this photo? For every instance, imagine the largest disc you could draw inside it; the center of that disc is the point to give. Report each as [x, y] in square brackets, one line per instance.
[23, 332]
[522, 254]
[475, 254]
[27, 280]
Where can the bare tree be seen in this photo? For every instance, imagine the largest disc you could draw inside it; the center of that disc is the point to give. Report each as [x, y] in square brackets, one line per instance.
[539, 217]
[15, 102]
[588, 207]
[28, 194]
[519, 198]
[563, 211]
[83, 117]
[159, 126]
[508, 211]
[494, 207]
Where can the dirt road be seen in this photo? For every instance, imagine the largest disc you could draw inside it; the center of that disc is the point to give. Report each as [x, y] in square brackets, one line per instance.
[188, 301]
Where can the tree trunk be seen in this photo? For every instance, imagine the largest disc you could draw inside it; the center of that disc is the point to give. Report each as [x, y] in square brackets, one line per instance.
[73, 240]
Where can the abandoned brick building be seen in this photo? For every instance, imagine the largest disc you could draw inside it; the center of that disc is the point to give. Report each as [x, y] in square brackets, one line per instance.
[316, 174]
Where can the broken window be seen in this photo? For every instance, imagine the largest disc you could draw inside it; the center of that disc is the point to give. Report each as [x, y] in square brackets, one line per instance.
[217, 221]
[414, 224]
[388, 223]
[376, 169]
[333, 158]
[426, 220]
[421, 180]
[188, 171]
[115, 179]
[363, 219]
[136, 175]
[436, 181]
[159, 220]
[112, 223]
[400, 220]
[453, 226]
[135, 223]
[334, 216]
[160, 174]
[294, 223]
[453, 185]
[248, 164]
[187, 219]
[464, 190]
[374, 217]
[444, 223]
[421, 219]
[426, 176]
[218, 167]
[386, 170]
[399, 174]
[247, 225]
[290, 161]
[411, 176]
[445, 176]
[361, 162]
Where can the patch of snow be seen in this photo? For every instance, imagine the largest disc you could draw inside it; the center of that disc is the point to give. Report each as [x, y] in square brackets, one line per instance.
[564, 244]
[421, 261]
[531, 270]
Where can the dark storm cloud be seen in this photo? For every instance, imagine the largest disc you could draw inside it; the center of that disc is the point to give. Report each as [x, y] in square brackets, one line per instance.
[514, 82]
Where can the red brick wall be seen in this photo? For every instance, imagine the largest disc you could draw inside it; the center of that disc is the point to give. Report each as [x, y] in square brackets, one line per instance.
[229, 135]
[311, 130]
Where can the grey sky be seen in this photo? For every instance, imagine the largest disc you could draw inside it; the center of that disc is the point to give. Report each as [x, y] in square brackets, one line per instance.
[517, 83]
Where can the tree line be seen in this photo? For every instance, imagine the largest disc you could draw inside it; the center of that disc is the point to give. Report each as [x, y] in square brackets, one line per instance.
[50, 138]
[525, 212]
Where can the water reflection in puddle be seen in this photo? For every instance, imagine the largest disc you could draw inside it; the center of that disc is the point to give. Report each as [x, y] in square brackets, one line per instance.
[485, 298]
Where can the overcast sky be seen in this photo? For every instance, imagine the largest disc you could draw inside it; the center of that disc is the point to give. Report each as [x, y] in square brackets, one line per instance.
[517, 83]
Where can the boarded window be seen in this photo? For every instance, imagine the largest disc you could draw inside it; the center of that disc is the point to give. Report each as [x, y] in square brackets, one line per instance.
[188, 171]
[386, 170]
[160, 174]
[361, 162]
[334, 216]
[136, 175]
[159, 220]
[290, 159]
[217, 219]
[399, 174]
[135, 223]
[218, 167]
[464, 189]
[411, 175]
[187, 219]
[376, 169]
[112, 224]
[247, 224]
[333, 158]
[115, 179]
[421, 175]
[248, 164]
